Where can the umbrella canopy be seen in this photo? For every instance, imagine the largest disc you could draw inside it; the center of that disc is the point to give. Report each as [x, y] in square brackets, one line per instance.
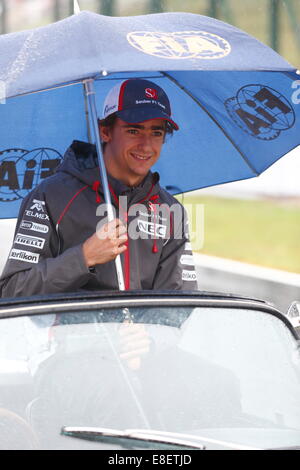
[231, 95]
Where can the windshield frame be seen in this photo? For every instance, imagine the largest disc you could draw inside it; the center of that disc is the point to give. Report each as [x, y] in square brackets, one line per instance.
[71, 303]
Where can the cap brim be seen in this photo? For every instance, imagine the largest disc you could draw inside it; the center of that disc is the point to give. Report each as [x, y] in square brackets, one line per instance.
[146, 113]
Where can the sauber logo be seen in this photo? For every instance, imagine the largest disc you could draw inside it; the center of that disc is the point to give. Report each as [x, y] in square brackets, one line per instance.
[151, 93]
[36, 242]
[26, 256]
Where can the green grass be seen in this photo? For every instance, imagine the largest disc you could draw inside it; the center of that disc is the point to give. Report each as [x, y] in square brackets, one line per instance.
[258, 232]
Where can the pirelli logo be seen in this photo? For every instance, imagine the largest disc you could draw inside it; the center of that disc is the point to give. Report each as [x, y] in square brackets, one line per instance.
[26, 256]
[27, 240]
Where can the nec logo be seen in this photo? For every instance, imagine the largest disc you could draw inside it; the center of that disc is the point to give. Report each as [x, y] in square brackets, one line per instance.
[156, 230]
[151, 93]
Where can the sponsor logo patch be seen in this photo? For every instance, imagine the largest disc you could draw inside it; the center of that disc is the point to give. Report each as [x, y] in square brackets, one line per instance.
[109, 109]
[152, 229]
[26, 256]
[35, 242]
[28, 225]
[155, 216]
[37, 215]
[189, 275]
[188, 260]
[38, 205]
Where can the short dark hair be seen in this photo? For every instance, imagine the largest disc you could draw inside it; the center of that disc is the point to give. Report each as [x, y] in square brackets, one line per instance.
[110, 120]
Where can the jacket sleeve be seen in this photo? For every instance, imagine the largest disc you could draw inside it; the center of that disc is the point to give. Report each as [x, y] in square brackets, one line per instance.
[34, 265]
[176, 270]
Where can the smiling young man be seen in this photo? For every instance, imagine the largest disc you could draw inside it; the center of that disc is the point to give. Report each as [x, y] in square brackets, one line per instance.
[133, 148]
[62, 241]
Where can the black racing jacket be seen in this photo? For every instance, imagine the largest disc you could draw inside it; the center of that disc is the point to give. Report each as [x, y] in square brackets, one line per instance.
[68, 207]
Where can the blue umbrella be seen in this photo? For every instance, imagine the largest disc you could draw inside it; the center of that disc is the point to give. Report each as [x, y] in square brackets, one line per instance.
[232, 96]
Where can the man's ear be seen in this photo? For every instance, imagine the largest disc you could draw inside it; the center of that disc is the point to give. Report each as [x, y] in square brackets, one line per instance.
[105, 133]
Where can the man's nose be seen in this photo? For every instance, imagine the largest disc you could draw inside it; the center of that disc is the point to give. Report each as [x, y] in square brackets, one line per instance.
[145, 142]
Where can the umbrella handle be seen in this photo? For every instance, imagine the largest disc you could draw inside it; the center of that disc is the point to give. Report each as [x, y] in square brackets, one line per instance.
[90, 94]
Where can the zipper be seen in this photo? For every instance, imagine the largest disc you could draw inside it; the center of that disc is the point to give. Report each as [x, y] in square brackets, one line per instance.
[127, 252]
[124, 214]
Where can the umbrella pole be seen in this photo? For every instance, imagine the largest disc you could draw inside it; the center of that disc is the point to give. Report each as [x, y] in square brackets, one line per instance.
[90, 94]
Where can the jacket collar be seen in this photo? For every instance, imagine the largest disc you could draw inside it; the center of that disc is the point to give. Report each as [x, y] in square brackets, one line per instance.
[81, 161]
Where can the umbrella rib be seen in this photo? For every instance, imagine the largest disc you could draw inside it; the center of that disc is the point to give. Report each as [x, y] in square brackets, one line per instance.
[213, 118]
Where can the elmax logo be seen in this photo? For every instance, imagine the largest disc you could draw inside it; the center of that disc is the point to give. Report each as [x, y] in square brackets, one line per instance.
[26, 256]
[37, 215]
[35, 242]
[26, 224]
[157, 230]
[151, 93]
[261, 111]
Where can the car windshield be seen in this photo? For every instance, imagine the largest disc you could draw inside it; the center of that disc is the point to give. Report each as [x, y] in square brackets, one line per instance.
[230, 376]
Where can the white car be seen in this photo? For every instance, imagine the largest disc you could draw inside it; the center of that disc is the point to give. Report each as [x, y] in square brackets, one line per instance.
[147, 370]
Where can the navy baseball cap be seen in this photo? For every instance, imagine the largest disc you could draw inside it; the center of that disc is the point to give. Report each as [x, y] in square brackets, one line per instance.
[137, 100]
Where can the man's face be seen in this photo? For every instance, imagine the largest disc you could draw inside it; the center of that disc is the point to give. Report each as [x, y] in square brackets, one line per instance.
[132, 149]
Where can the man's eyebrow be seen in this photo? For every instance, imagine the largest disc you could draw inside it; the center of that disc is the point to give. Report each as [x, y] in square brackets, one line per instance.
[140, 126]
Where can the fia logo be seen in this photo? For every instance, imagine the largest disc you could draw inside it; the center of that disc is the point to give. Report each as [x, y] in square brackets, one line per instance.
[180, 44]
[261, 111]
[22, 170]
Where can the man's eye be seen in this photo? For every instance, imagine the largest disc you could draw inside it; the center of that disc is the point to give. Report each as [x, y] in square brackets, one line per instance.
[132, 131]
[158, 133]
